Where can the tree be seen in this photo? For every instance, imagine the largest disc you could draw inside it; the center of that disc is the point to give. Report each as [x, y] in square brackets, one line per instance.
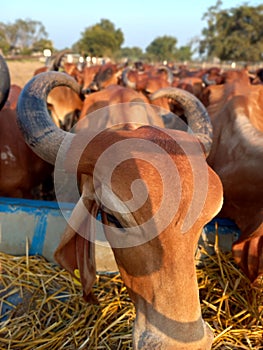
[21, 35]
[131, 53]
[235, 34]
[101, 39]
[184, 53]
[42, 44]
[162, 48]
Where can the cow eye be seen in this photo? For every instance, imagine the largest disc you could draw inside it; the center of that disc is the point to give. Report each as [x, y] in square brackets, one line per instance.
[112, 219]
[108, 73]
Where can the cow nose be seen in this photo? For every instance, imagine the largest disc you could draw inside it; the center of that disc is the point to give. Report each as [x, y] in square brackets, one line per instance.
[149, 341]
[94, 86]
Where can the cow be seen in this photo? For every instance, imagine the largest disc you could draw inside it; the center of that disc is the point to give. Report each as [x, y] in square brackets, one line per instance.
[117, 95]
[89, 73]
[64, 104]
[21, 170]
[107, 74]
[154, 240]
[149, 80]
[236, 111]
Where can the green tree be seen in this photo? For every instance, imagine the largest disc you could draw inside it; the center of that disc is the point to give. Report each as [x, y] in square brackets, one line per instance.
[101, 39]
[184, 53]
[162, 48]
[21, 35]
[131, 53]
[42, 44]
[234, 34]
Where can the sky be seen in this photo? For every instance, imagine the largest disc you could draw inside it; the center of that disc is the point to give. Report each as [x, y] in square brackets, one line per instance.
[141, 21]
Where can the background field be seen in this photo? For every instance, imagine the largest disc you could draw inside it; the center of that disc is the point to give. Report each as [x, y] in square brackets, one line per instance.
[22, 71]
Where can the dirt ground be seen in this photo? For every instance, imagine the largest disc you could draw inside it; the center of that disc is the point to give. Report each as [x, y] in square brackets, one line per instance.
[22, 71]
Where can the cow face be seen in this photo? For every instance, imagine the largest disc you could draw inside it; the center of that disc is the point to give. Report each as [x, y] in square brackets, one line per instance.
[142, 183]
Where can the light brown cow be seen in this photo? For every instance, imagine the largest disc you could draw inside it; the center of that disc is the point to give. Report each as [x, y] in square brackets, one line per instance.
[64, 104]
[154, 203]
[236, 110]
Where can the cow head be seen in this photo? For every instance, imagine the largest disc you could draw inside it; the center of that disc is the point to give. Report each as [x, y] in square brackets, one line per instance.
[107, 74]
[155, 192]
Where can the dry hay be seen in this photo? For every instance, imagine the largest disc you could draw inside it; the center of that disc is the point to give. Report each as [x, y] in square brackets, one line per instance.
[21, 71]
[52, 315]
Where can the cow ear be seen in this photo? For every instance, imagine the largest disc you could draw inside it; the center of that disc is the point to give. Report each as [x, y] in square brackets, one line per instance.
[76, 253]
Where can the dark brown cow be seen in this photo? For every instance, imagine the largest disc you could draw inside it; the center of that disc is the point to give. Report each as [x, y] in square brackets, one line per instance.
[21, 170]
[89, 73]
[236, 110]
[107, 75]
[155, 256]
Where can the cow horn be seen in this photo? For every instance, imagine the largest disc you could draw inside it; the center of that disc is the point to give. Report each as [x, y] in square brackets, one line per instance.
[57, 60]
[170, 76]
[197, 117]
[4, 82]
[39, 131]
[126, 80]
[207, 81]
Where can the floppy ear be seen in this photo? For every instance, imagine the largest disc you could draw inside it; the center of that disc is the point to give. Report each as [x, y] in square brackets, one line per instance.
[76, 251]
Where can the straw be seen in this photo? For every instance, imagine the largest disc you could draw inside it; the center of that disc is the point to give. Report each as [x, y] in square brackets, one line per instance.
[51, 313]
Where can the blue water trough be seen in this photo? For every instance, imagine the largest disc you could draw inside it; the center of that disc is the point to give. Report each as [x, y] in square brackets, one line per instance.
[38, 226]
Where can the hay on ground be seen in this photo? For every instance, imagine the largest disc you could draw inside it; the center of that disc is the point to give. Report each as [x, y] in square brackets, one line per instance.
[41, 307]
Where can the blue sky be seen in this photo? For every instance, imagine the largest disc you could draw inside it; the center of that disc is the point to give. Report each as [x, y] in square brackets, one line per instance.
[141, 21]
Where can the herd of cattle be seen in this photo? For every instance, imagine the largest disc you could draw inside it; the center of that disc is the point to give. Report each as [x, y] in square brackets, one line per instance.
[223, 109]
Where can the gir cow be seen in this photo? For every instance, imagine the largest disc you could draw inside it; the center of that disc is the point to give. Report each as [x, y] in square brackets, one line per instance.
[236, 111]
[21, 170]
[154, 191]
[118, 95]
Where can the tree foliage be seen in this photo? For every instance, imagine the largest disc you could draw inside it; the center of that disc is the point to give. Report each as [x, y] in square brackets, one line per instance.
[42, 44]
[21, 35]
[163, 48]
[130, 53]
[184, 53]
[234, 34]
[101, 39]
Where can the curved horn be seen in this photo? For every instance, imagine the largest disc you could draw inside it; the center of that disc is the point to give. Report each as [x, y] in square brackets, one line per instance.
[57, 60]
[170, 76]
[126, 80]
[39, 131]
[4, 82]
[206, 81]
[195, 112]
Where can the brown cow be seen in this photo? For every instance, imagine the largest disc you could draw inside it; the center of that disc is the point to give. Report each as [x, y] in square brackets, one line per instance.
[147, 80]
[64, 104]
[236, 110]
[107, 75]
[21, 170]
[118, 95]
[155, 193]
